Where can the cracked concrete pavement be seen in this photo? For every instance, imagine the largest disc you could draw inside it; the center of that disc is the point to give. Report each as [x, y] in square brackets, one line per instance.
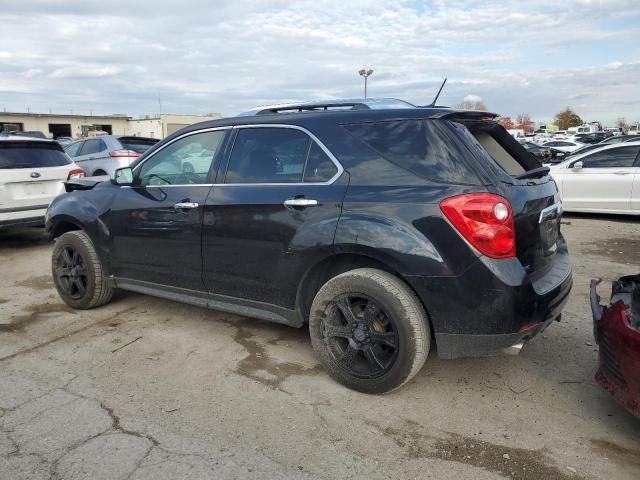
[145, 388]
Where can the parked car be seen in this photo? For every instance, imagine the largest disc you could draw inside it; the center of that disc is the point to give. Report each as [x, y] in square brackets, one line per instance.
[616, 131]
[616, 328]
[583, 149]
[381, 228]
[590, 138]
[64, 140]
[104, 154]
[28, 133]
[31, 175]
[562, 145]
[604, 180]
[614, 139]
[542, 154]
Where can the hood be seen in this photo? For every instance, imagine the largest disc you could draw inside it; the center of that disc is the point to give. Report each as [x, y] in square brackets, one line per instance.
[86, 183]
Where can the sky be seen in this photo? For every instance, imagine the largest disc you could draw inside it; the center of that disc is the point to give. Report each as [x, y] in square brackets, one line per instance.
[201, 56]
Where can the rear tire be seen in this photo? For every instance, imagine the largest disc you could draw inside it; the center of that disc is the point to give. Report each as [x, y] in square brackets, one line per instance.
[370, 330]
[77, 272]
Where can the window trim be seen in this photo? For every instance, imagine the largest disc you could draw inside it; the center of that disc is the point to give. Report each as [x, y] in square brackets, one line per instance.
[334, 160]
[239, 127]
[635, 164]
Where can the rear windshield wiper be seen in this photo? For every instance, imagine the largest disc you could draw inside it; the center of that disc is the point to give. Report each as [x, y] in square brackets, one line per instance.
[536, 172]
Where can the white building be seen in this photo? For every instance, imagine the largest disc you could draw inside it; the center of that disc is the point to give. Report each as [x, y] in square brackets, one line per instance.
[77, 126]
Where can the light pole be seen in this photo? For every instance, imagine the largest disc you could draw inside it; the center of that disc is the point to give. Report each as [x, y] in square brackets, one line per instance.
[366, 74]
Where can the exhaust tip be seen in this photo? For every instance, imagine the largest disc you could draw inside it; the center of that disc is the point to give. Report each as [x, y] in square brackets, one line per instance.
[513, 349]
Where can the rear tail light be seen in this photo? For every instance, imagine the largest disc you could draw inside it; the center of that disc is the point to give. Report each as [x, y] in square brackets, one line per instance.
[76, 173]
[124, 153]
[485, 220]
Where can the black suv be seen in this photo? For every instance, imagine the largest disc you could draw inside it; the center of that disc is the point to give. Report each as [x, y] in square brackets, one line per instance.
[384, 229]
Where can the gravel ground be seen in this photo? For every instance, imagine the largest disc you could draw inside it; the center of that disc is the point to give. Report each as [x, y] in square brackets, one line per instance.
[150, 389]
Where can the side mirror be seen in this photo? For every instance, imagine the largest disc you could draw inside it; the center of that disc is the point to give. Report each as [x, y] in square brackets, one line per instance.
[577, 166]
[123, 176]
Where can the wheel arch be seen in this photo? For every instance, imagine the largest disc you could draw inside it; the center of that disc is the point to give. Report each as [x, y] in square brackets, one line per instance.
[63, 225]
[341, 262]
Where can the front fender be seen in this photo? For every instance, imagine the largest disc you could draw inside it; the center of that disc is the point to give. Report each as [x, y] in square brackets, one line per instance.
[87, 210]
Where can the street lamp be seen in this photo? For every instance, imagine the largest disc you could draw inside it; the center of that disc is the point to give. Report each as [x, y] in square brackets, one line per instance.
[366, 74]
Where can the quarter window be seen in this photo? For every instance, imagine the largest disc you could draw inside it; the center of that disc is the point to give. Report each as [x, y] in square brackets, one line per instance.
[185, 161]
[319, 168]
[615, 158]
[277, 155]
[72, 150]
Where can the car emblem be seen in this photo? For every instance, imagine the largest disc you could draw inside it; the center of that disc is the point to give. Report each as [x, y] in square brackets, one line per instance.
[35, 175]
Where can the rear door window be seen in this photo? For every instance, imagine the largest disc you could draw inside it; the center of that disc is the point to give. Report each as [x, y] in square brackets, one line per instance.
[94, 145]
[277, 155]
[31, 155]
[615, 158]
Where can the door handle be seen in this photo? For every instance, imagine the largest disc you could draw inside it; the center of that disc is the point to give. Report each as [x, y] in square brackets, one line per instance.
[300, 202]
[621, 172]
[185, 205]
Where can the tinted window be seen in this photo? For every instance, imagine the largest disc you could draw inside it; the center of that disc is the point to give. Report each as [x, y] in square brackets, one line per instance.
[185, 161]
[425, 147]
[268, 155]
[137, 144]
[319, 166]
[94, 145]
[73, 149]
[616, 158]
[31, 155]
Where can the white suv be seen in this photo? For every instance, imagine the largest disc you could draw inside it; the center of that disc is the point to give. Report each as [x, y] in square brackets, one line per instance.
[32, 172]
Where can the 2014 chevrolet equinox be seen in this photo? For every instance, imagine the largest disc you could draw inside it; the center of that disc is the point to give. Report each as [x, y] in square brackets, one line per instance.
[384, 228]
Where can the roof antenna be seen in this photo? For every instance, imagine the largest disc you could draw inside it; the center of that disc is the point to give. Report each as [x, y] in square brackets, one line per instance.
[433, 104]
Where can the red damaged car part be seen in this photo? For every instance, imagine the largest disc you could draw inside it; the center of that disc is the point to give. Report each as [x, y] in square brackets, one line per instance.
[617, 332]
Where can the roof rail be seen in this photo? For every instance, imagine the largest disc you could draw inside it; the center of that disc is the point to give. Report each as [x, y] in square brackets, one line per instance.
[340, 104]
[305, 107]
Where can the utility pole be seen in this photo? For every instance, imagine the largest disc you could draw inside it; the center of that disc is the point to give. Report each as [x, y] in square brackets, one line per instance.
[365, 73]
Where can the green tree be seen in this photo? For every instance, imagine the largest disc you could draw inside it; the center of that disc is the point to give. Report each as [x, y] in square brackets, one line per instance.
[567, 118]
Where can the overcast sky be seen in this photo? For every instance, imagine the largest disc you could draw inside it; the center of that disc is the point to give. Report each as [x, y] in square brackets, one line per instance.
[113, 56]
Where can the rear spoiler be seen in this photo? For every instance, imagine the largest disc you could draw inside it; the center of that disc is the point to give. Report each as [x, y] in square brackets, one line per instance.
[464, 115]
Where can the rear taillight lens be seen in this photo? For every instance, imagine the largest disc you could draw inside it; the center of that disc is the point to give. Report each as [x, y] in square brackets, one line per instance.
[124, 153]
[76, 173]
[485, 220]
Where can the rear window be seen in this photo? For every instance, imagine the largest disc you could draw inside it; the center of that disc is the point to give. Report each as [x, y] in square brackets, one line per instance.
[31, 155]
[137, 144]
[427, 148]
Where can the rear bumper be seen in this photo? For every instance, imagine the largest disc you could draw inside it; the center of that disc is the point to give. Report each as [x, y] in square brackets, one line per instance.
[493, 305]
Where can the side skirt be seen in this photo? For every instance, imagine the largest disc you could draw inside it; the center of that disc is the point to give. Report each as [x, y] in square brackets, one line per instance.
[238, 306]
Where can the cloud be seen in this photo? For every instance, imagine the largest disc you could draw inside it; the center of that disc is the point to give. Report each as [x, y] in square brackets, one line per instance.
[235, 55]
[87, 71]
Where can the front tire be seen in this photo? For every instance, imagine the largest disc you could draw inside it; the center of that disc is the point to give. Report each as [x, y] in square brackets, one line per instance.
[370, 330]
[77, 272]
